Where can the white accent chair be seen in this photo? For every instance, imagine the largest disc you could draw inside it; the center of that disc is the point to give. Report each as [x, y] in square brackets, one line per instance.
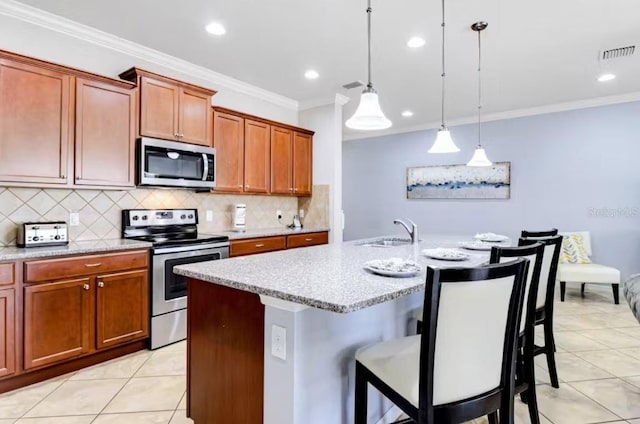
[588, 273]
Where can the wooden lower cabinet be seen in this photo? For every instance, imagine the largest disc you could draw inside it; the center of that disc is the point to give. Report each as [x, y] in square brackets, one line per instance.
[7, 332]
[122, 308]
[57, 321]
[252, 246]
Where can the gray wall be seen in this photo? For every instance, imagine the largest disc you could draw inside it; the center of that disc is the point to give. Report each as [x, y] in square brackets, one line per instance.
[564, 165]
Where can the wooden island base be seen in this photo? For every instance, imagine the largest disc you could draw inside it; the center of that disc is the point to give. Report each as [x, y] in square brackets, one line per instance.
[225, 355]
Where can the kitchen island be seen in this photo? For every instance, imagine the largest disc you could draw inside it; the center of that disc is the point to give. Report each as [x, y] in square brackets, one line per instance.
[272, 337]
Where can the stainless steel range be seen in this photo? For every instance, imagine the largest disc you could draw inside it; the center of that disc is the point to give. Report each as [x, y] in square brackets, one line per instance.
[175, 238]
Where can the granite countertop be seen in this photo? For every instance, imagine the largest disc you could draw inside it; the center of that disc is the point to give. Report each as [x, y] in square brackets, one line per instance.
[11, 253]
[270, 232]
[329, 277]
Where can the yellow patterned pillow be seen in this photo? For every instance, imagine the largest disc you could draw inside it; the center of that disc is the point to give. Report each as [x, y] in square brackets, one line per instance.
[573, 250]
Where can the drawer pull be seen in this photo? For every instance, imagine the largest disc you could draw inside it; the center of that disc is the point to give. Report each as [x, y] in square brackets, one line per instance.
[86, 286]
[260, 245]
[97, 264]
[100, 284]
[308, 239]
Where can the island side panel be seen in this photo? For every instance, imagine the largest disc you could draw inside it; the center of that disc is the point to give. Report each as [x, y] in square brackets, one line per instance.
[225, 354]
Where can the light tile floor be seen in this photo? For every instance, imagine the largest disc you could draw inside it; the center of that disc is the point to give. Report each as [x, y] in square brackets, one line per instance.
[598, 359]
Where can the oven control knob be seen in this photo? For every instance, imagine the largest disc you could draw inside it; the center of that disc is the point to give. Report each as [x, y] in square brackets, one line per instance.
[144, 217]
[183, 216]
[190, 216]
[36, 238]
[57, 237]
[135, 217]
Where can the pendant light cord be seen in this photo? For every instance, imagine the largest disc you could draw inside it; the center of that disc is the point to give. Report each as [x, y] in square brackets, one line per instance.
[369, 10]
[443, 68]
[479, 87]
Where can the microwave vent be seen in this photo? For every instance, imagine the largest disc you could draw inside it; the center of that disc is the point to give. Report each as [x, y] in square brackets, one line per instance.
[618, 52]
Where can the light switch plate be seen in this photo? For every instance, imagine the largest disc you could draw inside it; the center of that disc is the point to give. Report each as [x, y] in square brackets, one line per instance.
[209, 216]
[301, 213]
[279, 342]
[74, 219]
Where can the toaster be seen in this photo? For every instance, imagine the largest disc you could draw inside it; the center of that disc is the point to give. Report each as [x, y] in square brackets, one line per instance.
[35, 234]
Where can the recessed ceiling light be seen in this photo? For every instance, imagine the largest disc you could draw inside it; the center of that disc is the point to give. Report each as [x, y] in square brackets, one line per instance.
[311, 74]
[216, 28]
[416, 42]
[407, 114]
[606, 77]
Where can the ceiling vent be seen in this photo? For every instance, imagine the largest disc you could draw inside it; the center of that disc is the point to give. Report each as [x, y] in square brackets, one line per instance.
[617, 53]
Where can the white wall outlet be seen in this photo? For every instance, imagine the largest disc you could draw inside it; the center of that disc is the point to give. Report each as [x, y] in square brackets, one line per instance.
[301, 213]
[209, 216]
[279, 214]
[279, 342]
[74, 219]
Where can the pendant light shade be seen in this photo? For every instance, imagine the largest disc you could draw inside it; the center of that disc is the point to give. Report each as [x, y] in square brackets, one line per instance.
[444, 143]
[368, 115]
[479, 155]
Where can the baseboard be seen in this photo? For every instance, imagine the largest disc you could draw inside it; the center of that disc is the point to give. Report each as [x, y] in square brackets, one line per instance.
[391, 416]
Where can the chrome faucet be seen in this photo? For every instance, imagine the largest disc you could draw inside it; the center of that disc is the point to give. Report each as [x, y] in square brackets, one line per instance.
[413, 231]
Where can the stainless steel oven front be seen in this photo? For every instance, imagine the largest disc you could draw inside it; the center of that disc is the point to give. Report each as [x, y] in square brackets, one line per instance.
[169, 290]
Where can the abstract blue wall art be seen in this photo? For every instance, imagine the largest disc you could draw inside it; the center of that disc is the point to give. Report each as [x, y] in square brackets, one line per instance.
[459, 182]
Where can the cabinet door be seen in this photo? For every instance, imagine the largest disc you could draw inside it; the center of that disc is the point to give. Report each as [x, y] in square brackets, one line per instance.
[281, 161]
[158, 109]
[302, 164]
[195, 117]
[228, 139]
[7, 332]
[105, 131]
[122, 308]
[34, 124]
[57, 321]
[256, 157]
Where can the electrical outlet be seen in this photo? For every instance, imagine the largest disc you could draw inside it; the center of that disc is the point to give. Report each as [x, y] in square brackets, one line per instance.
[279, 342]
[74, 219]
[279, 214]
[209, 216]
[301, 213]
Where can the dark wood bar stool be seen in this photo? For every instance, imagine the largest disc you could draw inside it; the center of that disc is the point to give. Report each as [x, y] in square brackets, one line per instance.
[525, 374]
[462, 366]
[544, 303]
[532, 234]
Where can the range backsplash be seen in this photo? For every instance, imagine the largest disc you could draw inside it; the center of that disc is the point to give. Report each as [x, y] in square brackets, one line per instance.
[100, 211]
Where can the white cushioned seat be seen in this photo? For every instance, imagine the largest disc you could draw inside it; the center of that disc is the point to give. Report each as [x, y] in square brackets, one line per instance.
[588, 273]
[397, 363]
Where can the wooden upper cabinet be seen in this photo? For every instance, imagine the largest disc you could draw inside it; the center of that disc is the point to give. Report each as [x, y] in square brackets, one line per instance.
[159, 109]
[35, 117]
[122, 308]
[172, 109]
[105, 134]
[256, 156]
[281, 160]
[302, 164]
[195, 117]
[228, 140]
[7, 332]
[58, 321]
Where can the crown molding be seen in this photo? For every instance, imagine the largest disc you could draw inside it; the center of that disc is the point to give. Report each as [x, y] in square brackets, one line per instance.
[338, 99]
[95, 36]
[510, 114]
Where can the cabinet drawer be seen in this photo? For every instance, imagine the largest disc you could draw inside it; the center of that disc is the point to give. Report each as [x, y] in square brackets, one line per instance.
[309, 239]
[54, 269]
[7, 274]
[257, 245]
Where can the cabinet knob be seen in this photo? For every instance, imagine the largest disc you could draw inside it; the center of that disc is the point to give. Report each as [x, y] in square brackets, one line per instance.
[100, 284]
[181, 135]
[176, 135]
[239, 185]
[295, 189]
[86, 286]
[246, 186]
[62, 177]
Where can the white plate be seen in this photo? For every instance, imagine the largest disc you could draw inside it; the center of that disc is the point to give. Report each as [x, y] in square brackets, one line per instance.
[445, 254]
[393, 267]
[475, 245]
[491, 237]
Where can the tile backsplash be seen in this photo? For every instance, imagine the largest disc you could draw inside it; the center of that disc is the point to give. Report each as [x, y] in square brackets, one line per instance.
[100, 211]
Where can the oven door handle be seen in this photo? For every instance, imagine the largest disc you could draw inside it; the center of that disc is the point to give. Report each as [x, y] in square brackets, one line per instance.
[197, 249]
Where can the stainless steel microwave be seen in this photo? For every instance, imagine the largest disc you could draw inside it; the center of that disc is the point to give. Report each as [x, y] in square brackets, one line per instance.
[165, 163]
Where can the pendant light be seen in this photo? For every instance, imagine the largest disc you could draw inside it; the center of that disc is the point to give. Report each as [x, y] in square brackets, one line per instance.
[443, 143]
[479, 156]
[368, 115]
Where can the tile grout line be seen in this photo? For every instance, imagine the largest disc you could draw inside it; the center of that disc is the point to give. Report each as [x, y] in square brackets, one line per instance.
[598, 403]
